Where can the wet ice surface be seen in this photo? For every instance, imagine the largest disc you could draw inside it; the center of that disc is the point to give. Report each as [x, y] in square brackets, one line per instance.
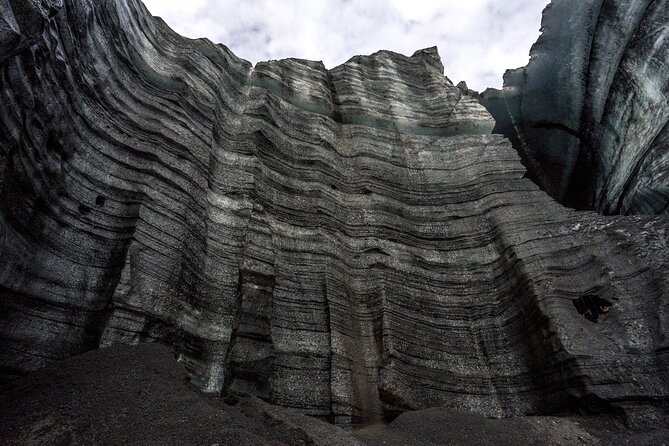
[589, 112]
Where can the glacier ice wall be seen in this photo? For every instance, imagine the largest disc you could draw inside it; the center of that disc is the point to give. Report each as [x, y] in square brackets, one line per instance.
[589, 114]
[349, 242]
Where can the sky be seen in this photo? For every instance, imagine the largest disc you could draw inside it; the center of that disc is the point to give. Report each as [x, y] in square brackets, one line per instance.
[477, 39]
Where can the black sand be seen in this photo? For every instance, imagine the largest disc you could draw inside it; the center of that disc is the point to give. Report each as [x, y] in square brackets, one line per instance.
[139, 396]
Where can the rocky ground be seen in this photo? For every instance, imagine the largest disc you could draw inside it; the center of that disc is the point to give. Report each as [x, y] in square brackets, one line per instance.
[139, 395]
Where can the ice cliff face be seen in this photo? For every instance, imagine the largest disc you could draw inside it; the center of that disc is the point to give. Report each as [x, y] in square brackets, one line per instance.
[590, 112]
[349, 242]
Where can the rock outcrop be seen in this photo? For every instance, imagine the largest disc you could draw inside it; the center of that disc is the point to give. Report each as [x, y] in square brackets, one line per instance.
[350, 242]
[589, 114]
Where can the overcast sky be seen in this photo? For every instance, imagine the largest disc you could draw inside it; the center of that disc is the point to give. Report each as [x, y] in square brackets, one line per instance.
[477, 39]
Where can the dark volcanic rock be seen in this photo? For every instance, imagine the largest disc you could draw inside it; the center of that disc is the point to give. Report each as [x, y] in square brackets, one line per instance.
[439, 426]
[139, 396]
[348, 242]
[590, 113]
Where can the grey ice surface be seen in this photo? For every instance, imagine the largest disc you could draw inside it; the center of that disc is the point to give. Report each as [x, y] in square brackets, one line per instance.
[589, 114]
[351, 243]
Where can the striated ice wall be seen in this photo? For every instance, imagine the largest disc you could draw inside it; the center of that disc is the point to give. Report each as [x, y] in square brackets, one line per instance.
[349, 242]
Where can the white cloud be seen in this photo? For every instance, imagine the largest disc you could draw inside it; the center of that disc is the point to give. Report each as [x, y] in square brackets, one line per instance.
[477, 39]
